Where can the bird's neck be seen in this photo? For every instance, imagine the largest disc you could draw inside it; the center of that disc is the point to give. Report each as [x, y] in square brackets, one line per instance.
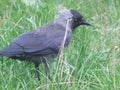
[63, 23]
[60, 22]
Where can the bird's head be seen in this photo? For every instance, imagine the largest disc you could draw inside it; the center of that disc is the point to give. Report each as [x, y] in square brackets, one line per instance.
[77, 18]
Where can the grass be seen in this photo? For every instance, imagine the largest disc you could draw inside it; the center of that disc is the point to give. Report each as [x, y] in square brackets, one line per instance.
[91, 61]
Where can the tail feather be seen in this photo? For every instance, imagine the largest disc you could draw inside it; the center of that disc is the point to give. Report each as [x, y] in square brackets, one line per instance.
[1, 54]
[11, 50]
[5, 54]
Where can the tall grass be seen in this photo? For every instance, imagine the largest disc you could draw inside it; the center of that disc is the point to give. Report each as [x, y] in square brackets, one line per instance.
[90, 62]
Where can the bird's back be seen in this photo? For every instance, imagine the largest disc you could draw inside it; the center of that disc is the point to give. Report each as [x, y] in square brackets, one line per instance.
[44, 41]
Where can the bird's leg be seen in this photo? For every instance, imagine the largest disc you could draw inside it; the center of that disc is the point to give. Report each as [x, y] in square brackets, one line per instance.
[37, 71]
[47, 70]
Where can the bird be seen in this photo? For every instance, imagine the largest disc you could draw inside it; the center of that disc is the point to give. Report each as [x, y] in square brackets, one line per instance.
[39, 45]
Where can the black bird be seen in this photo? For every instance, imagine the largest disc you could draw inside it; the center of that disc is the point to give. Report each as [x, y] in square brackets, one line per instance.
[43, 43]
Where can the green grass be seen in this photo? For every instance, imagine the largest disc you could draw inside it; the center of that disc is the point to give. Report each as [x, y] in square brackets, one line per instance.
[91, 61]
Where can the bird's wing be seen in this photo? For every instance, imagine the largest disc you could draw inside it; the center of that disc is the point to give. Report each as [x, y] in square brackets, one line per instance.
[43, 41]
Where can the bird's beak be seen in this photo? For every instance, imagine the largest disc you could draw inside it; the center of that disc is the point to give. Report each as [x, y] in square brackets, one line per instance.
[85, 22]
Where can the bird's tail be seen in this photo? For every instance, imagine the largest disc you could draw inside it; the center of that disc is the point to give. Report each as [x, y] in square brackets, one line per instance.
[4, 54]
[1, 54]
